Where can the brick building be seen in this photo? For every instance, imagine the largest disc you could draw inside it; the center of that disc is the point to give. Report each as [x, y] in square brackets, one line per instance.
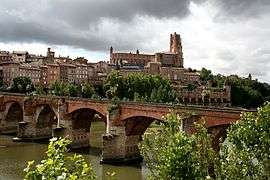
[19, 56]
[13, 70]
[170, 64]
[136, 59]
[53, 73]
[5, 56]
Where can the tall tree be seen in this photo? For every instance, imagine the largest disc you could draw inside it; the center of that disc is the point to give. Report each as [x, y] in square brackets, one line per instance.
[87, 90]
[22, 85]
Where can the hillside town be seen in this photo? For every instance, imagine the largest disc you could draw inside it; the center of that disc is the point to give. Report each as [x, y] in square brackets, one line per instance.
[44, 70]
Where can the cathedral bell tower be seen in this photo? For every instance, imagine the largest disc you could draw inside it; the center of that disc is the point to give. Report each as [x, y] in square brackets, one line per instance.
[176, 47]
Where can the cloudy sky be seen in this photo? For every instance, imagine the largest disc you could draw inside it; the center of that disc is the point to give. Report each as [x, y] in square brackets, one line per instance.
[226, 36]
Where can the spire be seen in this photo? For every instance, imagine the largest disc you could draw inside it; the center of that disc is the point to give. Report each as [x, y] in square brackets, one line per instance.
[111, 50]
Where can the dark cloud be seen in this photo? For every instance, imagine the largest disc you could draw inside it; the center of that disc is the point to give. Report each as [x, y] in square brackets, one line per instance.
[241, 9]
[77, 22]
[81, 13]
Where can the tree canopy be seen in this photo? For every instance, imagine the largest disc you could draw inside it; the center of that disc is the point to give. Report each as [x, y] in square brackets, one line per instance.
[22, 85]
[245, 92]
[139, 87]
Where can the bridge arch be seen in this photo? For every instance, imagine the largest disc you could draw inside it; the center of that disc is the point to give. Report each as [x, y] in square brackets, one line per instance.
[137, 125]
[100, 108]
[219, 134]
[12, 115]
[46, 117]
[81, 125]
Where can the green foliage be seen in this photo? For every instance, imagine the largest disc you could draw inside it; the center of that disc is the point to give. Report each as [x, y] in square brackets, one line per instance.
[58, 165]
[172, 154]
[245, 153]
[59, 89]
[248, 93]
[87, 90]
[22, 85]
[113, 107]
[206, 75]
[245, 92]
[191, 87]
[96, 97]
[64, 89]
[73, 90]
[139, 87]
[40, 90]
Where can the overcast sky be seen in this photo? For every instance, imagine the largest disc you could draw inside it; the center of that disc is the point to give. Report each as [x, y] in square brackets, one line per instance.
[226, 36]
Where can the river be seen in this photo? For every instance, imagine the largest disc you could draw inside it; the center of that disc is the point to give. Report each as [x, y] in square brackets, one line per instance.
[14, 157]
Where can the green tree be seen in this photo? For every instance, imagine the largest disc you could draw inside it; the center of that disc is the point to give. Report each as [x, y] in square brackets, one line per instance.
[73, 90]
[172, 154]
[22, 85]
[245, 154]
[206, 75]
[40, 90]
[140, 87]
[59, 89]
[87, 90]
[245, 92]
[58, 165]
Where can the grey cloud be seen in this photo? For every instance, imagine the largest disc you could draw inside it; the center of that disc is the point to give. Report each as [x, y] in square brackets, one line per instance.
[226, 55]
[77, 22]
[240, 9]
[82, 12]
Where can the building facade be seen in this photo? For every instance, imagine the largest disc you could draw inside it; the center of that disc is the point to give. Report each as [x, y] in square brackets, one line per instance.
[44, 70]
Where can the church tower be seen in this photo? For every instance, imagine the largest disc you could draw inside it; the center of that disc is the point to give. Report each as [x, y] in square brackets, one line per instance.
[176, 47]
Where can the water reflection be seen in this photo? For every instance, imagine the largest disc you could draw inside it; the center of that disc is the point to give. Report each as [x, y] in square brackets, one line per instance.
[14, 157]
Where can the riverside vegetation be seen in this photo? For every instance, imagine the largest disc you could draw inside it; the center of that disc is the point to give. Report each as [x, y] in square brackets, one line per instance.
[170, 153]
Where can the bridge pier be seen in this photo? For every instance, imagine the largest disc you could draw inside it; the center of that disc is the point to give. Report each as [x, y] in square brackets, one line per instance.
[79, 137]
[27, 129]
[120, 148]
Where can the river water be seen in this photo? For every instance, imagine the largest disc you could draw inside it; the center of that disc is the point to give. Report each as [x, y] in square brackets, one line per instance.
[14, 157]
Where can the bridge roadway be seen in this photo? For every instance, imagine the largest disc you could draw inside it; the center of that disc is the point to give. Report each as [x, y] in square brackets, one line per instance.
[37, 117]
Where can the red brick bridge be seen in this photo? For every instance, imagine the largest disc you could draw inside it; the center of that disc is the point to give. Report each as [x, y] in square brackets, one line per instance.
[36, 117]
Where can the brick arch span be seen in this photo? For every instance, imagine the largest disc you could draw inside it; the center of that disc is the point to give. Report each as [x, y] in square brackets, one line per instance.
[130, 111]
[45, 120]
[82, 117]
[12, 115]
[46, 116]
[81, 120]
[39, 108]
[8, 103]
[99, 107]
[137, 125]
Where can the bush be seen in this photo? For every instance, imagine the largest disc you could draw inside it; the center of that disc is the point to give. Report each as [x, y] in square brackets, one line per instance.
[58, 165]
